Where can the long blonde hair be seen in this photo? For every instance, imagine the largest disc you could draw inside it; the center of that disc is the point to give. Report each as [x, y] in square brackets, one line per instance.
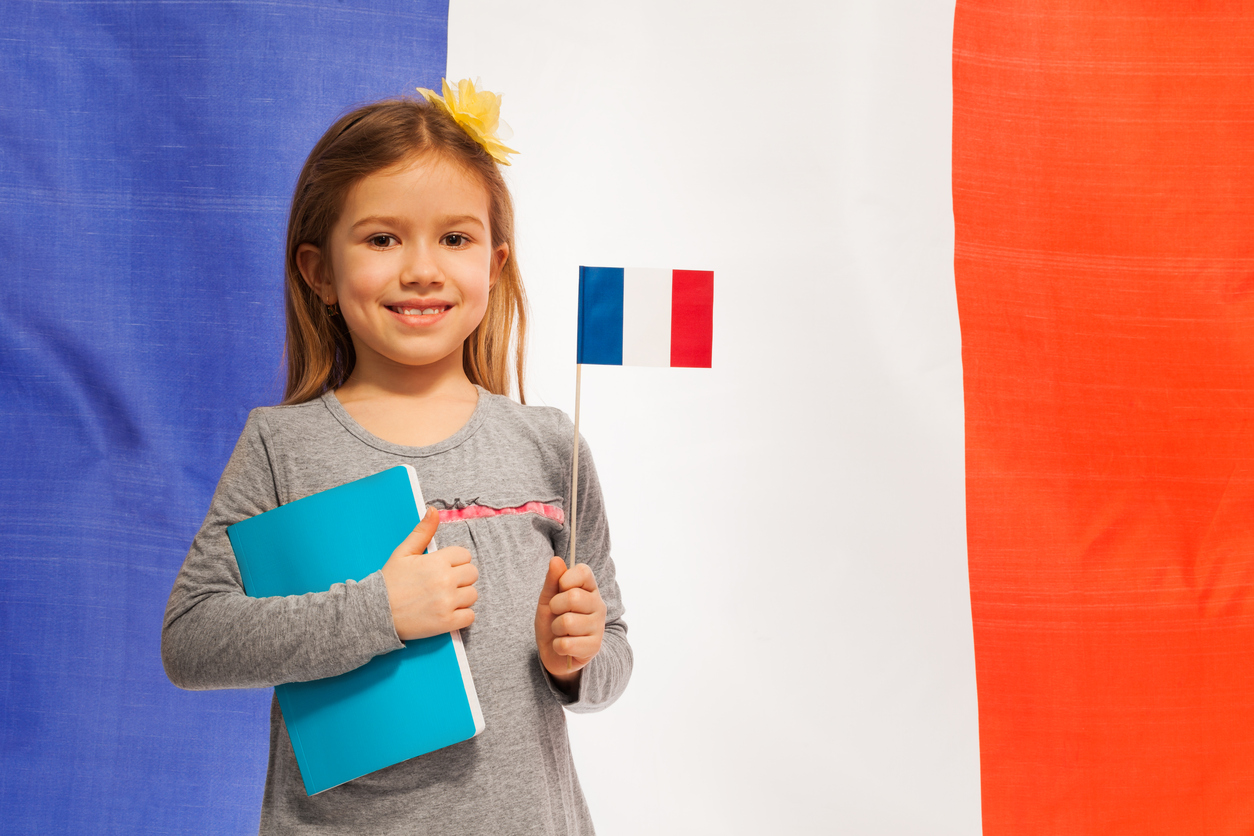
[319, 351]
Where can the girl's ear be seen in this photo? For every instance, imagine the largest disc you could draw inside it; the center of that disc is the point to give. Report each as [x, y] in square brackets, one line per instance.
[309, 263]
[499, 256]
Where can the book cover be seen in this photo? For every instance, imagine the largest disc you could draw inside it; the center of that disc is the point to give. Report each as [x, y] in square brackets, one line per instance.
[397, 706]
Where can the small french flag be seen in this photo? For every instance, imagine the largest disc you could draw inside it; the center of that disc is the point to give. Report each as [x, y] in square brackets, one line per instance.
[645, 317]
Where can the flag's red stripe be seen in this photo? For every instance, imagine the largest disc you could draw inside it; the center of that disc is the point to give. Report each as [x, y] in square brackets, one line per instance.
[1103, 181]
[692, 318]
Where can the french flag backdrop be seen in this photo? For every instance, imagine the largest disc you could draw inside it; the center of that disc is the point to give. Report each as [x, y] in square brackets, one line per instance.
[791, 523]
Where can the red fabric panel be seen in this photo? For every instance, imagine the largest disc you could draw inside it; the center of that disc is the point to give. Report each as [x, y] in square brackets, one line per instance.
[1103, 176]
[692, 318]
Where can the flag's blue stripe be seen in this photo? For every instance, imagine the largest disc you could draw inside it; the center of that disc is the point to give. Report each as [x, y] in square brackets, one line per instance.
[601, 316]
[147, 155]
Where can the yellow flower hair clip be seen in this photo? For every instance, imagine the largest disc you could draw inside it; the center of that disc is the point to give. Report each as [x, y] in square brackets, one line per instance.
[479, 114]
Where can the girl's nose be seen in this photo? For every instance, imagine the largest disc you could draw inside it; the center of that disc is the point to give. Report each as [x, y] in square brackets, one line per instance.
[420, 266]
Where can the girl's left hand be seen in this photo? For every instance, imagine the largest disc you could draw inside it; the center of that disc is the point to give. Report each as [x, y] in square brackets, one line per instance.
[570, 620]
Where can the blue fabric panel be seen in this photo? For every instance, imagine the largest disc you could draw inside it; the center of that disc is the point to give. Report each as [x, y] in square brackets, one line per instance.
[147, 155]
[600, 316]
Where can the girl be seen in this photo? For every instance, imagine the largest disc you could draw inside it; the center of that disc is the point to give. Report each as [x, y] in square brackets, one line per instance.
[402, 294]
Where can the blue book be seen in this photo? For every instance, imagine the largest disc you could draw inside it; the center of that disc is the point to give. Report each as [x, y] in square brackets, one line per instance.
[396, 706]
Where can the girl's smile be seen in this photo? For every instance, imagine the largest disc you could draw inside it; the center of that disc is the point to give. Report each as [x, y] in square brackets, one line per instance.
[419, 309]
[419, 313]
[410, 263]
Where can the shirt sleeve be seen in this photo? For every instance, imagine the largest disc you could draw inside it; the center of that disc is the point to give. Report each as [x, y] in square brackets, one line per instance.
[215, 636]
[605, 678]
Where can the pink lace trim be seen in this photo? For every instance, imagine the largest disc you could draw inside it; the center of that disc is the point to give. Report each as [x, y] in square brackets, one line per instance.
[478, 512]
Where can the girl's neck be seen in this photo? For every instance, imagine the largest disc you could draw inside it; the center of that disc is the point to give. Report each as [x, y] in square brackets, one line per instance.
[410, 406]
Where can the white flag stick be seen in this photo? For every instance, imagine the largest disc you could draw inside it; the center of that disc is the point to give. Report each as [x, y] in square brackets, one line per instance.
[574, 484]
[574, 469]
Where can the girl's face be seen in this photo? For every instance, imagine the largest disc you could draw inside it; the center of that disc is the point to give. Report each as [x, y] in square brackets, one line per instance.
[411, 263]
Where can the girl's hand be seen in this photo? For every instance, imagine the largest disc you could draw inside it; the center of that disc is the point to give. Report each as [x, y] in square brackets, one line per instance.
[431, 593]
[570, 620]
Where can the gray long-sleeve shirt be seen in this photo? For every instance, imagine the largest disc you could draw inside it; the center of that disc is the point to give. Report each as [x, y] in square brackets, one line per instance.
[502, 483]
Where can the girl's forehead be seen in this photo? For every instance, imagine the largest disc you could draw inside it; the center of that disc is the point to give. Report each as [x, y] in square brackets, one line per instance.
[426, 179]
[430, 166]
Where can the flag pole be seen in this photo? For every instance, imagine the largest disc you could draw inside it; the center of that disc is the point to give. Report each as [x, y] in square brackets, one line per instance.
[574, 483]
[574, 468]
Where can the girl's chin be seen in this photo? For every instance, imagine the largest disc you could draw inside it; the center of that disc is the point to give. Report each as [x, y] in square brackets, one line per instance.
[391, 360]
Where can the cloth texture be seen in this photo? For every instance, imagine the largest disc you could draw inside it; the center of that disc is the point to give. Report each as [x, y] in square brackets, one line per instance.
[1103, 203]
[515, 777]
[162, 141]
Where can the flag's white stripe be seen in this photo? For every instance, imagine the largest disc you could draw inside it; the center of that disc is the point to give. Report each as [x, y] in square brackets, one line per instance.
[646, 317]
[892, 654]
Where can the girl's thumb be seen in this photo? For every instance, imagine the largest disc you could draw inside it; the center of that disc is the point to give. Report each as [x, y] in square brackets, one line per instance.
[557, 568]
[420, 537]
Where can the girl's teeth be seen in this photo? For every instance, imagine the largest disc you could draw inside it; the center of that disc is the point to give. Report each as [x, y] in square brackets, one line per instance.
[419, 311]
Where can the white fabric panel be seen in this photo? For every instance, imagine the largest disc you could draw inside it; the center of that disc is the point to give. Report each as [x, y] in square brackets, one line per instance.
[789, 526]
[646, 317]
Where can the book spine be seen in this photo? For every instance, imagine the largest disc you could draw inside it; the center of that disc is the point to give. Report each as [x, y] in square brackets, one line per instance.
[238, 548]
[308, 770]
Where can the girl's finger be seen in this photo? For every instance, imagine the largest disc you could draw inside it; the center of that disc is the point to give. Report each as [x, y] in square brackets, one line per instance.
[578, 576]
[465, 597]
[557, 567]
[461, 619]
[580, 648]
[456, 555]
[577, 600]
[576, 624]
[416, 541]
[465, 575]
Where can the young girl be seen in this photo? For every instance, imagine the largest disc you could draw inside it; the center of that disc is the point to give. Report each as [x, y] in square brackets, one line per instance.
[401, 295]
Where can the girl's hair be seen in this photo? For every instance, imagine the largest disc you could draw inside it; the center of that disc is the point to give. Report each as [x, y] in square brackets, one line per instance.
[319, 351]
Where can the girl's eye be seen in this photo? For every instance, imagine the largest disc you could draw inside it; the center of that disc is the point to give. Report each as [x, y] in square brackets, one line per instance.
[381, 241]
[455, 239]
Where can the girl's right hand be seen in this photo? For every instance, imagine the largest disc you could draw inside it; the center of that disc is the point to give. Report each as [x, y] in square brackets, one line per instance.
[431, 593]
